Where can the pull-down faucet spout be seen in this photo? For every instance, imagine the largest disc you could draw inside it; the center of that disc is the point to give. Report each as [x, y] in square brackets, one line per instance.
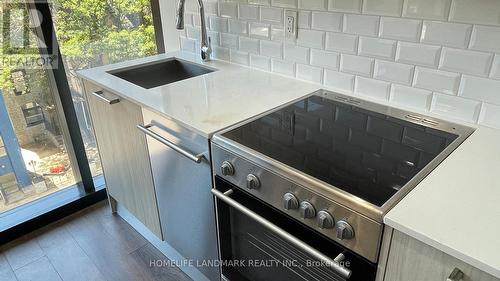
[206, 50]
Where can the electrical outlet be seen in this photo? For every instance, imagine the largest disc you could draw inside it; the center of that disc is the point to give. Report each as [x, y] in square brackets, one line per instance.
[291, 24]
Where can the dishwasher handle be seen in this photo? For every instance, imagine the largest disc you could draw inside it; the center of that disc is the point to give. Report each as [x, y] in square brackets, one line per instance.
[198, 158]
[334, 264]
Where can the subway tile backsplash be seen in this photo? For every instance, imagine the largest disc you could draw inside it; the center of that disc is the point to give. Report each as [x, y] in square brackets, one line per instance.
[436, 56]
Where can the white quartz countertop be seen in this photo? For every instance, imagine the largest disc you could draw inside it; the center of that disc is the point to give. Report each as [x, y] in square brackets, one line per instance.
[456, 209]
[207, 103]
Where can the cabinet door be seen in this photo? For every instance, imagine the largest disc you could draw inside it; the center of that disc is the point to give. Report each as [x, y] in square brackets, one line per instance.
[412, 260]
[124, 156]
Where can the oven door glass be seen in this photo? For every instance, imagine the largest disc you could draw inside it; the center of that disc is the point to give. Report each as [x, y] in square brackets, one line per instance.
[252, 251]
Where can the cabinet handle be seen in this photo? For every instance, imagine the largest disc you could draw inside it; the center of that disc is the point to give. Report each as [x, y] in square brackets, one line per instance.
[455, 275]
[195, 158]
[99, 95]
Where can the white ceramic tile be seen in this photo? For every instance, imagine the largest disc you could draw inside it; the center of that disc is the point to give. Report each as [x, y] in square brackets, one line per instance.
[192, 32]
[277, 33]
[383, 7]
[325, 59]
[259, 30]
[411, 97]
[188, 44]
[309, 73]
[271, 49]
[320, 5]
[304, 20]
[427, 9]
[238, 57]
[400, 28]
[260, 62]
[339, 80]
[361, 24]
[218, 24]
[214, 37]
[349, 6]
[284, 3]
[446, 34]
[487, 90]
[271, 15]
[260, 2]
[375, 47]
[495, 68]
[356, 65]
[283, 67]
[419, 54]
[490, 115]
[248, 12]
[476, 11]
[211, 8]
[228, 10]
[455, 107]
[220, 53]
[485, 38]
[436, 80]
[238, 27]
[327, 21]
[464, 61]
[345, 43]
[372, 88]
[249, 45]
[311, 38]
[393, 72]
[229, 40]
[296, 53]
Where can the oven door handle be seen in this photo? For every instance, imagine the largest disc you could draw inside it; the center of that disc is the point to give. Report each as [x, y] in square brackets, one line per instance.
[334, 264]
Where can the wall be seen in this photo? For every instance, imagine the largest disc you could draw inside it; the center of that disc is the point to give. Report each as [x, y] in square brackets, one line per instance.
[433, 56]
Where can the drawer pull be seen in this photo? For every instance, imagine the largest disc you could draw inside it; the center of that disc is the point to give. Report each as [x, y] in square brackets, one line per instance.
[100, 95]
[198, 158]
[456, 275]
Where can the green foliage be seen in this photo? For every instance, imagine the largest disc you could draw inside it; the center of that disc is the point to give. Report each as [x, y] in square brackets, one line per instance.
[97, 32]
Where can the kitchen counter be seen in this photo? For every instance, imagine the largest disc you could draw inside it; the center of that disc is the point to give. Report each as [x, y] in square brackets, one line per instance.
[456, 209]
[207, 103]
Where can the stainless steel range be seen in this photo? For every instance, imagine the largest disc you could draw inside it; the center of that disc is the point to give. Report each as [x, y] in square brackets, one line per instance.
[306, 186]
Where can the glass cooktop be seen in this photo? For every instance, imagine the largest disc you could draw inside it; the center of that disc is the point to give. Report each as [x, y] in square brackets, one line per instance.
[365, 153]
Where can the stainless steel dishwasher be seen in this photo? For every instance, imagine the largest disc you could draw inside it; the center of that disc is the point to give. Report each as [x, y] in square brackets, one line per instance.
[182, 178]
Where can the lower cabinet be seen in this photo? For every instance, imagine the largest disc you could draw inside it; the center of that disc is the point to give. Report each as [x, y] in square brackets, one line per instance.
[124, 155]
[412, 260]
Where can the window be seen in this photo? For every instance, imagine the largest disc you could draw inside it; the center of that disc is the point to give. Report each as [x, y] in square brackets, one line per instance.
[44, 119]
[95, 33]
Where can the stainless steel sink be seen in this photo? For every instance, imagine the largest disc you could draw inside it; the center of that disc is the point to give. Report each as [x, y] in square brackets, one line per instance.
[161, 73]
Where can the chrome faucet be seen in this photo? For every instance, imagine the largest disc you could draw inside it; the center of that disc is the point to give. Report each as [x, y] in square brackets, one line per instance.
[206, 50]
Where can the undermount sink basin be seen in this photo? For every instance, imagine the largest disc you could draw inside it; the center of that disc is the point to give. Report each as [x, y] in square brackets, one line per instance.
[161, 73]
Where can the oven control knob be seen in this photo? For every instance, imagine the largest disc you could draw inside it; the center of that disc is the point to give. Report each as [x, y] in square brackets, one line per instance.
[290, 202]
[325, 220]
[253, 181]
[227, 168]
[344, 230]
[307, 210]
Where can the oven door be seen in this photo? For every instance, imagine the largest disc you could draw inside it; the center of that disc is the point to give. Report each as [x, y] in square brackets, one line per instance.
[259, 243]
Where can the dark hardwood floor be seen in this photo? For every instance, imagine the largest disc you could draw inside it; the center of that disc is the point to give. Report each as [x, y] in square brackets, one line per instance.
[90, 245]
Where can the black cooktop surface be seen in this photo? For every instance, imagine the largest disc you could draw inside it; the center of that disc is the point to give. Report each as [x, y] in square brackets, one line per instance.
[365, 153]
